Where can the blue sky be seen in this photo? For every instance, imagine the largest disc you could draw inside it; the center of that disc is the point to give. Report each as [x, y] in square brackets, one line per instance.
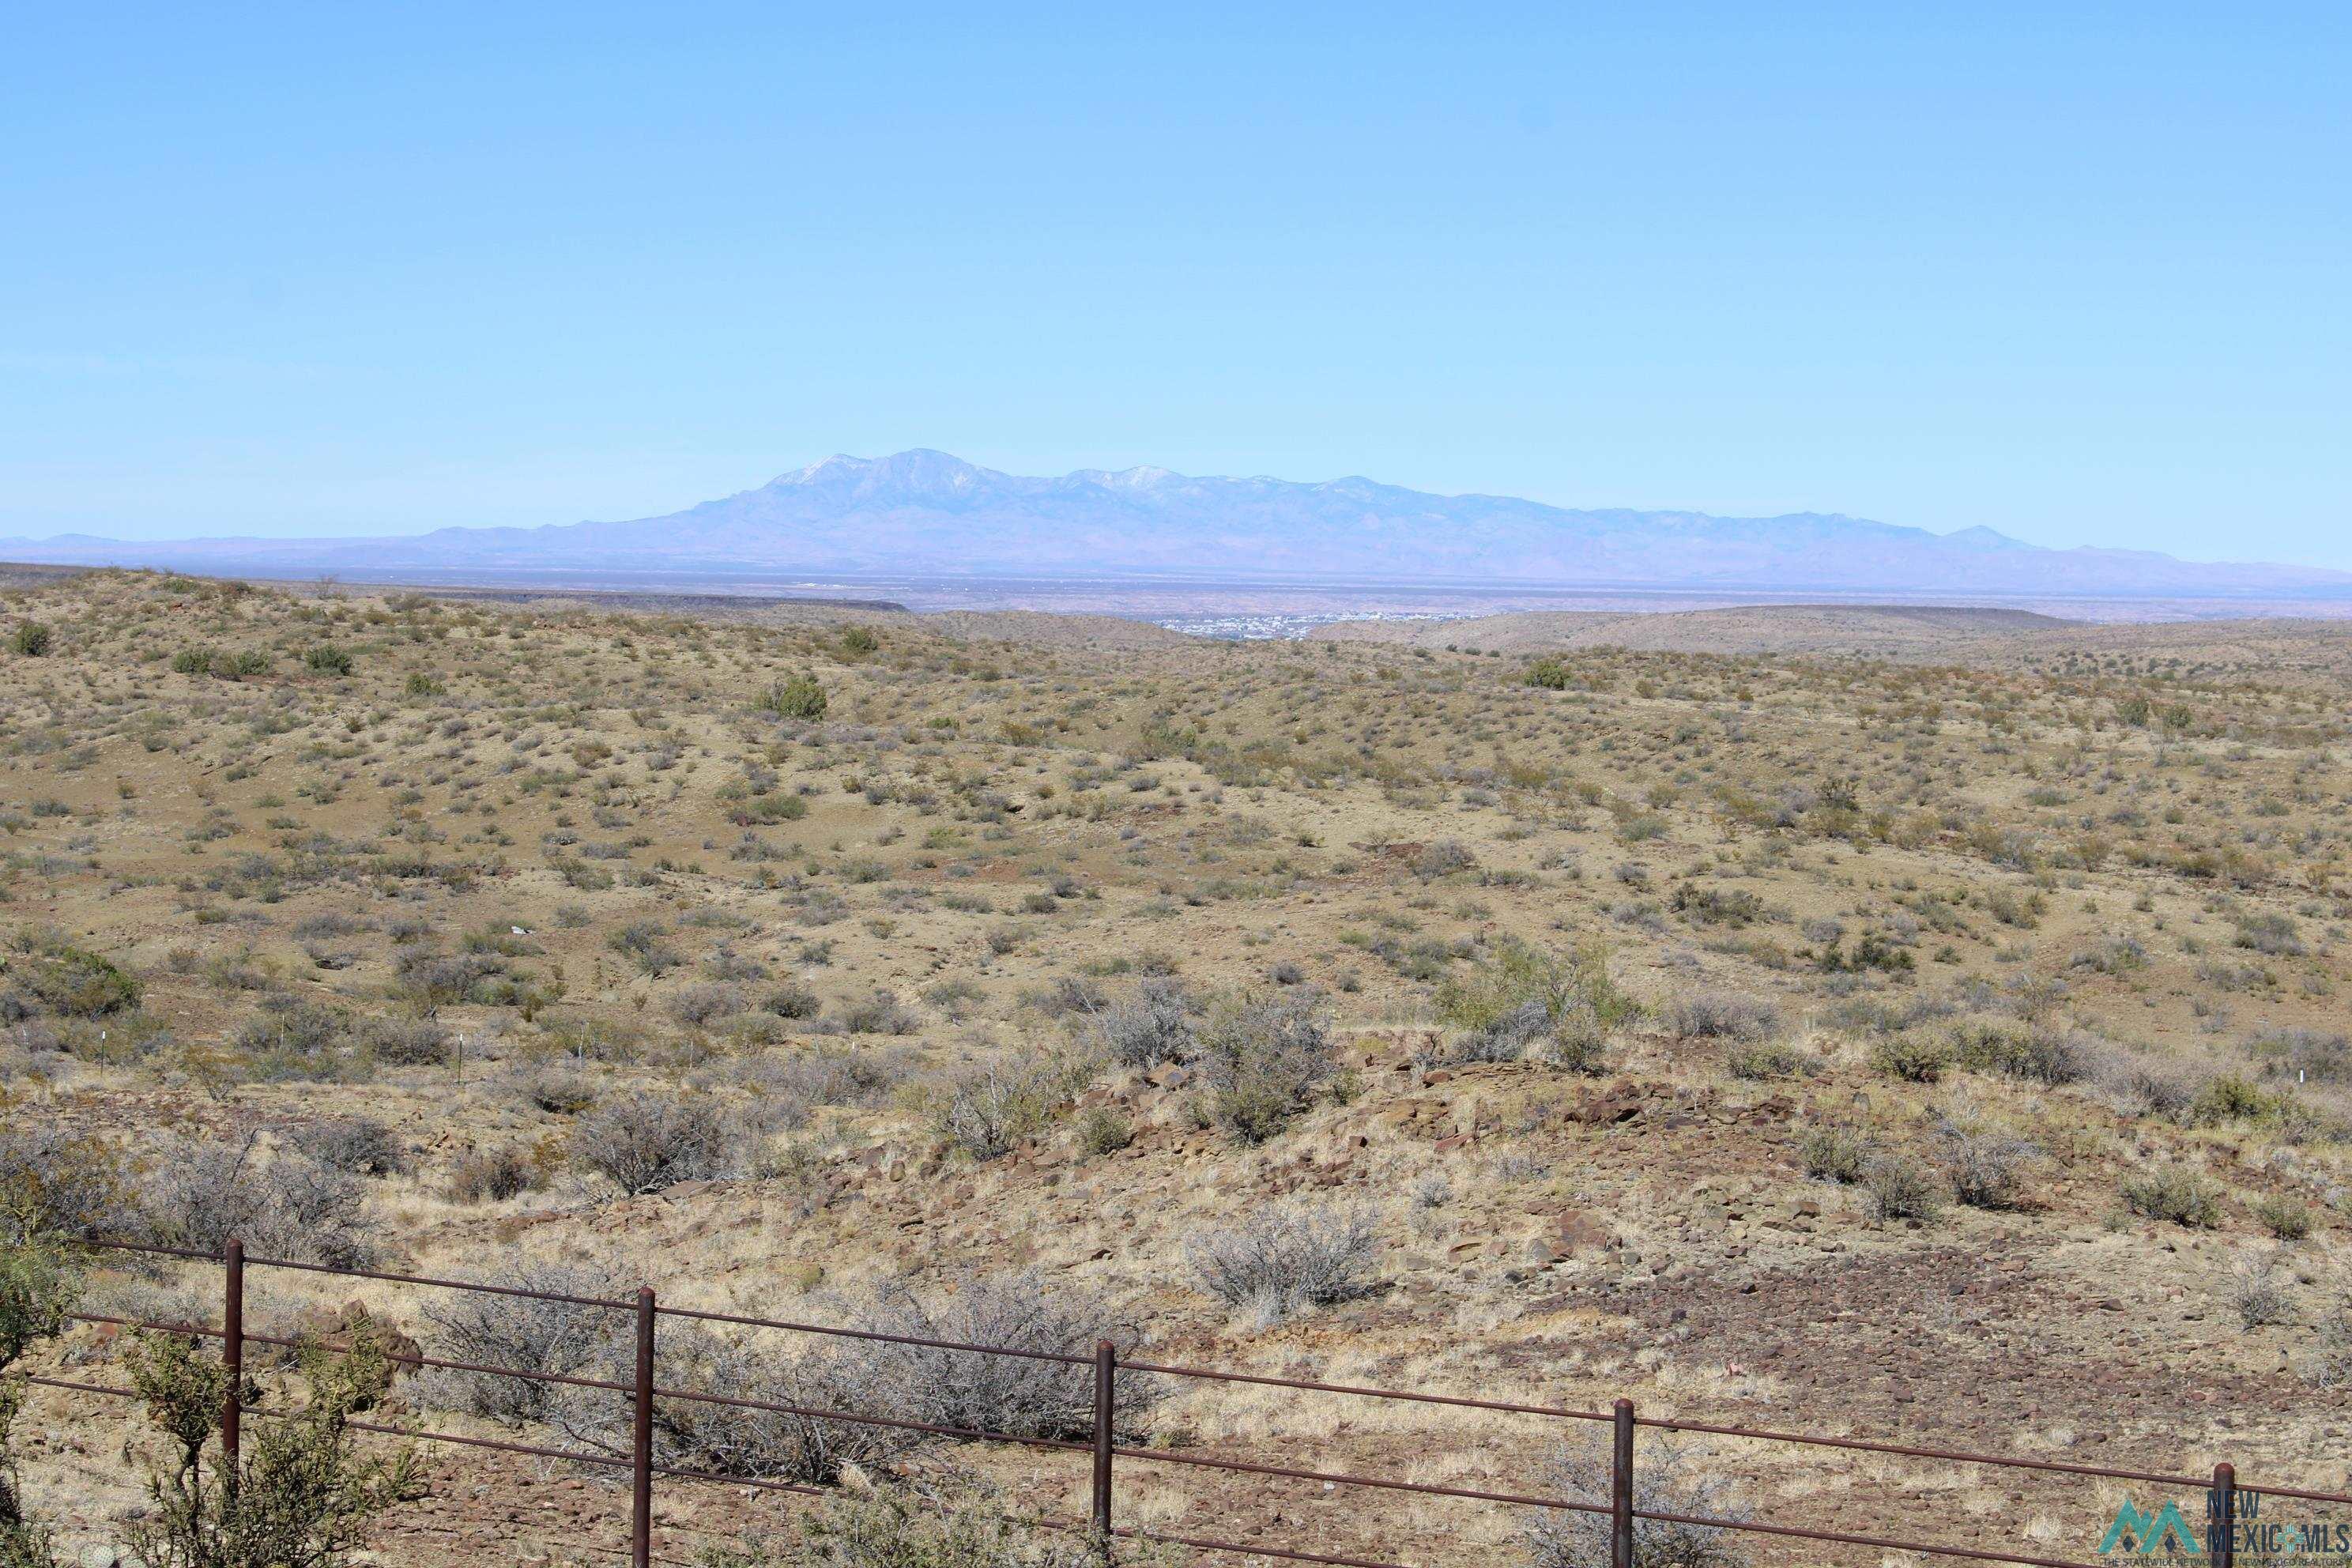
[2079, 274]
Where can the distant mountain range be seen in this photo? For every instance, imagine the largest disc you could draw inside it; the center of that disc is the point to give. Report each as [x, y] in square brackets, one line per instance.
[927, 513]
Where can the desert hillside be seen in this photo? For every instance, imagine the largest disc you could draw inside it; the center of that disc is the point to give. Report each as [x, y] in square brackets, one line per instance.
[1929, 1025]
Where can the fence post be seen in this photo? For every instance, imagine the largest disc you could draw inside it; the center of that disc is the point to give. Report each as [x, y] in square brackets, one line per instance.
[2221, 1518]
[641, 1446]
[1105, 1372]
[232, 1415]
[1621, 1490]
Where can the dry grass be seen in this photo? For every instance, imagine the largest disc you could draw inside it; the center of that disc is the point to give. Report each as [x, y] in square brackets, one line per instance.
[523, 871]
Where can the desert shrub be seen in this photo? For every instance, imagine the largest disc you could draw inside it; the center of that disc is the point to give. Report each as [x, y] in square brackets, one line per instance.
[904, 1525]
[839, 1075]
[557, 1090]
[651, 1140]
[2228, 1097]
[561, 1338]
[1104, 1129]
[1523, 993]
[1498, 992]
[879, 1013]
[963, 1390]
[2257, 1292]
[1284, 1260]
[1985, 1165]
[2032, 1054]
[1506, 1038]
[987, 1111]
[405, 1042]
[792, 1000]
[800, 696]
[1549, 672]
[36, 1289]
[1911, 1058]
[1017, 1394]
[293, 1039]
[1264, 1061]
[1835, 1154]
[57, 1182]
[2330, 1366]
[1717, 905]
[1720, 1015]
[37, 1282]
[1154, 1026]
[494, 1175]
[743, 1440]
[2287, 1218]
[2319, 1054]
[429, 979]
[1442, 858]
[301, 1491]
[2180, 1193]
[31, 638]
[2145, 1089]
[704, 1001]
[1663, 1482]
[359, 1144]
[69, 980]
[2272, 935]
[327, 659]
[1765, 1059]
[640, 942]
[1901, 1188]
[2111, 955]
[202, 1194]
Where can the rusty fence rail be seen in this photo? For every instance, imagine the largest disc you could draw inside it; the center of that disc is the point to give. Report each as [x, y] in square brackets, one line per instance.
[2223, 1490]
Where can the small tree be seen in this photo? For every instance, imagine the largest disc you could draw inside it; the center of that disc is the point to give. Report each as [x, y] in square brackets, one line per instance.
[298, 1495]
[36, 1289]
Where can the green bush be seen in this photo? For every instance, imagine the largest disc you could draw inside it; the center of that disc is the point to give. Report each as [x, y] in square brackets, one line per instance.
[799, 697]
[1104, 1130]
[1523, 993]
[1835, 1154]
[327, 659]
[299, 1492]
[2180, 1193]
[2287, 1218]
[1265, 1061]
[1901, 1188]
[1912, 1059]
[1550, 672]
[37, 1287]
[32, 638]
[71, 980]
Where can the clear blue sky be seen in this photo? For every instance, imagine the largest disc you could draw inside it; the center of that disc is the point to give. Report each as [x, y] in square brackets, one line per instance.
[2080, 274]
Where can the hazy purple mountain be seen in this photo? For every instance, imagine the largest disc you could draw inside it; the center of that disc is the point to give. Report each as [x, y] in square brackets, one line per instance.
[926, 513]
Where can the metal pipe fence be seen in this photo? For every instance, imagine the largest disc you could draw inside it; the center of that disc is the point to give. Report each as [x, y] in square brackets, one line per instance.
[2225, 1494]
